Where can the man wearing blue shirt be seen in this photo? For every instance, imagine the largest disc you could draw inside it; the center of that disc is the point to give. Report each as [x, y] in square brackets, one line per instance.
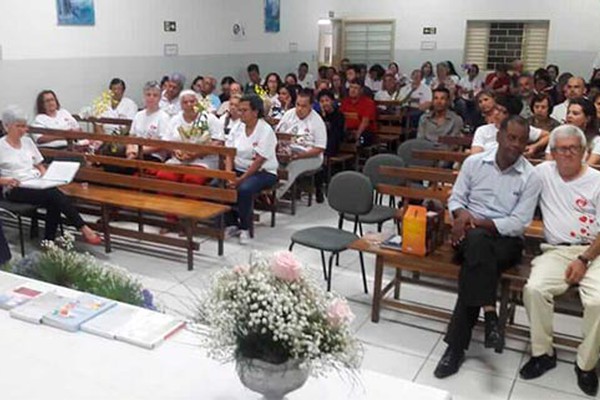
[492, 203]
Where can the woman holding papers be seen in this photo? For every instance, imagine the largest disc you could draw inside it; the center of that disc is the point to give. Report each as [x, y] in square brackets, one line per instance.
[20, 160]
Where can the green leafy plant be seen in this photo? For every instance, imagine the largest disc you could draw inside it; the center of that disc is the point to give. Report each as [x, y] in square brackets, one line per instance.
[61, 265]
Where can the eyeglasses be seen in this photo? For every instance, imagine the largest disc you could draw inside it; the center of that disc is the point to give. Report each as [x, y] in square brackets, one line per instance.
[563, 150]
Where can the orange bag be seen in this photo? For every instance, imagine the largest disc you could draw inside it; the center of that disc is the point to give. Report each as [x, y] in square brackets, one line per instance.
[414, 231]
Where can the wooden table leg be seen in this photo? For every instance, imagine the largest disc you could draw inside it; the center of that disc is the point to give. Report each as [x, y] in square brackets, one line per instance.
[376, 306]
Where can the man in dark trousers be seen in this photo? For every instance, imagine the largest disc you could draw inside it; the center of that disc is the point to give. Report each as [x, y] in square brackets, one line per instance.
[492, 203]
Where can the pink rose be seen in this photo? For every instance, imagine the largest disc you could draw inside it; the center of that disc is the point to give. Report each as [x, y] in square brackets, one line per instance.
[285, 266]
[241, 269]
[339, 313]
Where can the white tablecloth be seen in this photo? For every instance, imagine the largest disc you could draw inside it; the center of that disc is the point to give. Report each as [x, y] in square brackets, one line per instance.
[41, 362]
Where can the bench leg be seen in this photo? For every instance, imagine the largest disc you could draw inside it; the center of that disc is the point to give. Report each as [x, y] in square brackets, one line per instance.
[221, 227]
[294, 192]
[106, 228]
[503, 317]
[397, 281]
[189, 233]
[291, 246]
[34, 231]
[376, 303]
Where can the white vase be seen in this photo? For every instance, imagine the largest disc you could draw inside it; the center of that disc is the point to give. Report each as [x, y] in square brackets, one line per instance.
[273, 381]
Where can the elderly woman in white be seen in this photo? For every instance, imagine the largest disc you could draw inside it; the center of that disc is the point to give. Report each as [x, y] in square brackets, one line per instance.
[121, 108]
[169, 101]
[309, 139]
[20, 160]
[51, 116]
[150, 123]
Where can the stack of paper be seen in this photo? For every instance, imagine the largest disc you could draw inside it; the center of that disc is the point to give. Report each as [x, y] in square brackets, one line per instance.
[70, 315]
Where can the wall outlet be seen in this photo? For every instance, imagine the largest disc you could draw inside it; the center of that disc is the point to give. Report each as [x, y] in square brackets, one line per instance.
[170, 26]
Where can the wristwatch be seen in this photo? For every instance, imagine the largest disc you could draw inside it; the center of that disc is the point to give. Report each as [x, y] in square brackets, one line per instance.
[584, 260]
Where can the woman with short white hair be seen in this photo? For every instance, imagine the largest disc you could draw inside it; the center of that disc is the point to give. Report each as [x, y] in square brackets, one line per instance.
[21, 160]
[150, 123]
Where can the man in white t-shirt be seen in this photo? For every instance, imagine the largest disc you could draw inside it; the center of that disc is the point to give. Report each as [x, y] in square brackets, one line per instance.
[575, 88]
[570, 204]
[169, 102]
[485, 135]
[309, 138]
[305, 80]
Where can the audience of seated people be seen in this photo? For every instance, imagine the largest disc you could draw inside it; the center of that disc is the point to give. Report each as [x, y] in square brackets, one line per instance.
[492, 201]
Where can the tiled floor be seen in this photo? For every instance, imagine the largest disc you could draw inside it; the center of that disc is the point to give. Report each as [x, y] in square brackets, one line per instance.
[401, 345]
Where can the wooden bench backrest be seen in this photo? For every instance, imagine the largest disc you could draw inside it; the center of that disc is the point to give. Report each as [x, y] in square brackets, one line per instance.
[109, 121]
[440, 155]
[438, 188]
[92, 170]
[462, 141]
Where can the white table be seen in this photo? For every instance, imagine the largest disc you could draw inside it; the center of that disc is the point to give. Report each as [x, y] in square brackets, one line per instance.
[41, 362]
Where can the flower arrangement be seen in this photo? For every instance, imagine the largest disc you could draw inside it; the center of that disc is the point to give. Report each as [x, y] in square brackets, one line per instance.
[60, 264]
[198, 133]
[272, 311]
[102, 103]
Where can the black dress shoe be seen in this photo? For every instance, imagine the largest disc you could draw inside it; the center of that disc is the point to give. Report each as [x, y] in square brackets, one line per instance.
[537, 366]
[493, 337]
[587, 381]
[450, 363]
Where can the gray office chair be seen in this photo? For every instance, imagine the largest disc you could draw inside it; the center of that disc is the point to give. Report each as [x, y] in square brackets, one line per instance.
[349, 192]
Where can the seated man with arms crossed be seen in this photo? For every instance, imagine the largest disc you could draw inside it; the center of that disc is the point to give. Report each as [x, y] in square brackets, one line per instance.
[570, 203]
[492, 203]
[309, 138]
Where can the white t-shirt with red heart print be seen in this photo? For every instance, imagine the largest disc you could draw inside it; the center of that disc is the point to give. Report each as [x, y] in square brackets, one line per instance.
[570, 210]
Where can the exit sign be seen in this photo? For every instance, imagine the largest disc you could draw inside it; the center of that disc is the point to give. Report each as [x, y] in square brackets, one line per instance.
[429, 30]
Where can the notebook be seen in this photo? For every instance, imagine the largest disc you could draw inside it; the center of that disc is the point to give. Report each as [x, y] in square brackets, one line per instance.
[108, 323]
[70, 315]
[35, 309]
[58, 173]
[393, 242]
[17, 296]
[149, 328]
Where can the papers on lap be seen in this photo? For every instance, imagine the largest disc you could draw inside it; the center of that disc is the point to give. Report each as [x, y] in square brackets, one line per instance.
[59, 173]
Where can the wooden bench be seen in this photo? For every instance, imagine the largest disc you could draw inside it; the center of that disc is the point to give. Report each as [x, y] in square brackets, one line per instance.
[200, 208]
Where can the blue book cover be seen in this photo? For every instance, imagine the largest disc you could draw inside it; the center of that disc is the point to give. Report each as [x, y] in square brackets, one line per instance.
[71, 314]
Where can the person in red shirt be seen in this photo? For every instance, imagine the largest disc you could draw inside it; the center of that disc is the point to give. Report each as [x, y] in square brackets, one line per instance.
[498, 81]
[360, 114]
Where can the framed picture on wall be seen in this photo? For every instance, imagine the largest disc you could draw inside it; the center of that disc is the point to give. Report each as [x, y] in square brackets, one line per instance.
[75, 12]
[272, 15]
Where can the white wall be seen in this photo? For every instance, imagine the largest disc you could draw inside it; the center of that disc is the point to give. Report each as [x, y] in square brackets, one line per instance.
[128, 39]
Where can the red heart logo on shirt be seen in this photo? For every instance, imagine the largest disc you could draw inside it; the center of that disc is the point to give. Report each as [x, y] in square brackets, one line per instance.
[583, 219]
[581, 202]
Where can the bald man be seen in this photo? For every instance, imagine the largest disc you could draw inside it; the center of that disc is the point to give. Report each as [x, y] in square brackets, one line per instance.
[575, 88]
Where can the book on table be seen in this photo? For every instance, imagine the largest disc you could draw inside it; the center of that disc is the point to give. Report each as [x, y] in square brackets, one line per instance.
[108, 323]
[35, 309]
[148, 329]
[58, 173]
[71, 314]
[134, 325]
[393, 242]
[17, 296]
